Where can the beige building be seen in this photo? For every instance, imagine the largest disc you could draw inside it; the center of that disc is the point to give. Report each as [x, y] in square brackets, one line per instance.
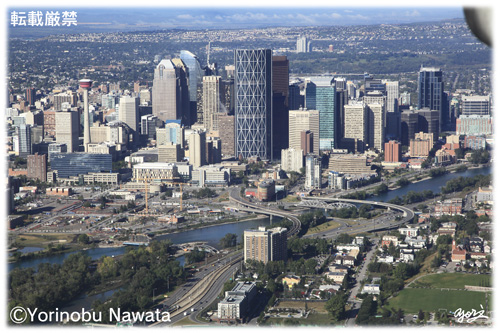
[68, 129]
[129, 111]
[157, 171]
[376, 126]
[265, 245]
[303, 120]
[356, 122]
[169, 153]
[212, 96]
[350, 164]
[197, 148]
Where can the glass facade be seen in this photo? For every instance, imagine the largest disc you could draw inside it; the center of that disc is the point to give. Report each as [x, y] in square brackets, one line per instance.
[74, 164]
[325, 104]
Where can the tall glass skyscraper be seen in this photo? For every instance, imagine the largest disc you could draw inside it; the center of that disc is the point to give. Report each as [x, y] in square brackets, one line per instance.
[430, 92]
[328, 118]
[253, 103]
[195, 80]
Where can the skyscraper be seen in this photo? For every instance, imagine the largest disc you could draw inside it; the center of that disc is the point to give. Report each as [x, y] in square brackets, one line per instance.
[30, 96]
[67, 129]
[409, 126]
[280, 104]
[376, 131]
[253, 106]
[328, 118]
[37, 167]
[86, 84]
[170, 92]
[195, 75]
[303, 120]
[356, 123]
[212, 96]
[430, 92]
[24, 135]
[226, 123]
[197, 148]
[129, 111]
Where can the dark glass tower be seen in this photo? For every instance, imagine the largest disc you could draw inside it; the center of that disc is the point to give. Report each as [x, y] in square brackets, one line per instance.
[430, 92]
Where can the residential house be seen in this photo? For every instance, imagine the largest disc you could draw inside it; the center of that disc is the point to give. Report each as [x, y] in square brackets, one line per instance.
[372, 289]
[336, 277]
[290, 280]
[458, 254]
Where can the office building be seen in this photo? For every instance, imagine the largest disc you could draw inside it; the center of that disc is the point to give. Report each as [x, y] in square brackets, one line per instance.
[295, 99]
[376, 128]
[474, 142]
[37, 167]
[211, 176]
[292, 159]
[75, 164]
[392, 96]
[49, 123]
[129, 112]
[58, 100]
[310, 95]
[169, 153]
[350, 164]
[154, 171]
[409, 126]
[30, 96]
[228, 95]
[212, 102]
[328, 117]
[67, 129]
[24, 137]
[172, 133]
[195, 75]
[303, 44]
[197, 148]
[149, 124]
[392, 151]
[170, 91]
[213, 150]
[476, 105]
[430, 93]
[226, 134]
[280, 79]
[265, 245]
[307, 142]
[303, 120]
[313, 172]
[253, 107]
[356, 124]
[428, 122]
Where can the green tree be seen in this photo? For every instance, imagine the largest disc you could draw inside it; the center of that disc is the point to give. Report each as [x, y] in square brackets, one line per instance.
[229, 240]
[83, 239]
[336, 306]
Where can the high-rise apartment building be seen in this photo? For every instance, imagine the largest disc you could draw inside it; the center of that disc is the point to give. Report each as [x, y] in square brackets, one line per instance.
[392, 151]
[37, 167]
[253, 106]
[303, 44]
[212, 102]
[313, 172]
[67, 129]
[303, 120]
[129, 111]
[265, 245]
[292, 159]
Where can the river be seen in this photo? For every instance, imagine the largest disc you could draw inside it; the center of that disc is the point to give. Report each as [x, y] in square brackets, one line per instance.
[211, 235]
[433, 184]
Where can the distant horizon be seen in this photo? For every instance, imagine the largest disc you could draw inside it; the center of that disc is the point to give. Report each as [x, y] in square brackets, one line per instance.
[109, 19]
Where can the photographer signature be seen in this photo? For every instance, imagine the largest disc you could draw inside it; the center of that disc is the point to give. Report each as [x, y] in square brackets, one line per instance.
[471, 315]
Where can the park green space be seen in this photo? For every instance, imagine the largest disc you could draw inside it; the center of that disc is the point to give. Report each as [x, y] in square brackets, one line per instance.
[314, 319]
[327, 226]
[411, 300]
[453, 280]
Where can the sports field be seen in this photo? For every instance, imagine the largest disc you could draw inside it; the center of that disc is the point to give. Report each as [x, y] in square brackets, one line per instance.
[453, 280]
[411, 300]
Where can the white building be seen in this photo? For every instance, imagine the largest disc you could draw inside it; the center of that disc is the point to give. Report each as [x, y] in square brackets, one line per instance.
[292, 159]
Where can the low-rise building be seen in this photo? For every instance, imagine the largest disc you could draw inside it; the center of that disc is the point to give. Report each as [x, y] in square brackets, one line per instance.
[290, 280]
[409, 231]
[336, 277]
[387, 240]
[448, 207]
[372, 289]
[236, 303]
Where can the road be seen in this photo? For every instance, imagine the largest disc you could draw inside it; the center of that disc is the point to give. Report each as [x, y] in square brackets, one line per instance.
[361, 275]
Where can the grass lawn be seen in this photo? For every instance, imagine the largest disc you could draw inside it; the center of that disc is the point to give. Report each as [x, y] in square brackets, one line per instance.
[317, 306]
[41, 240]
[185, 322]
[412, 300]
[453, 280]
[323, 227]
[314, 319]
[291, 198]
[426, 268]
